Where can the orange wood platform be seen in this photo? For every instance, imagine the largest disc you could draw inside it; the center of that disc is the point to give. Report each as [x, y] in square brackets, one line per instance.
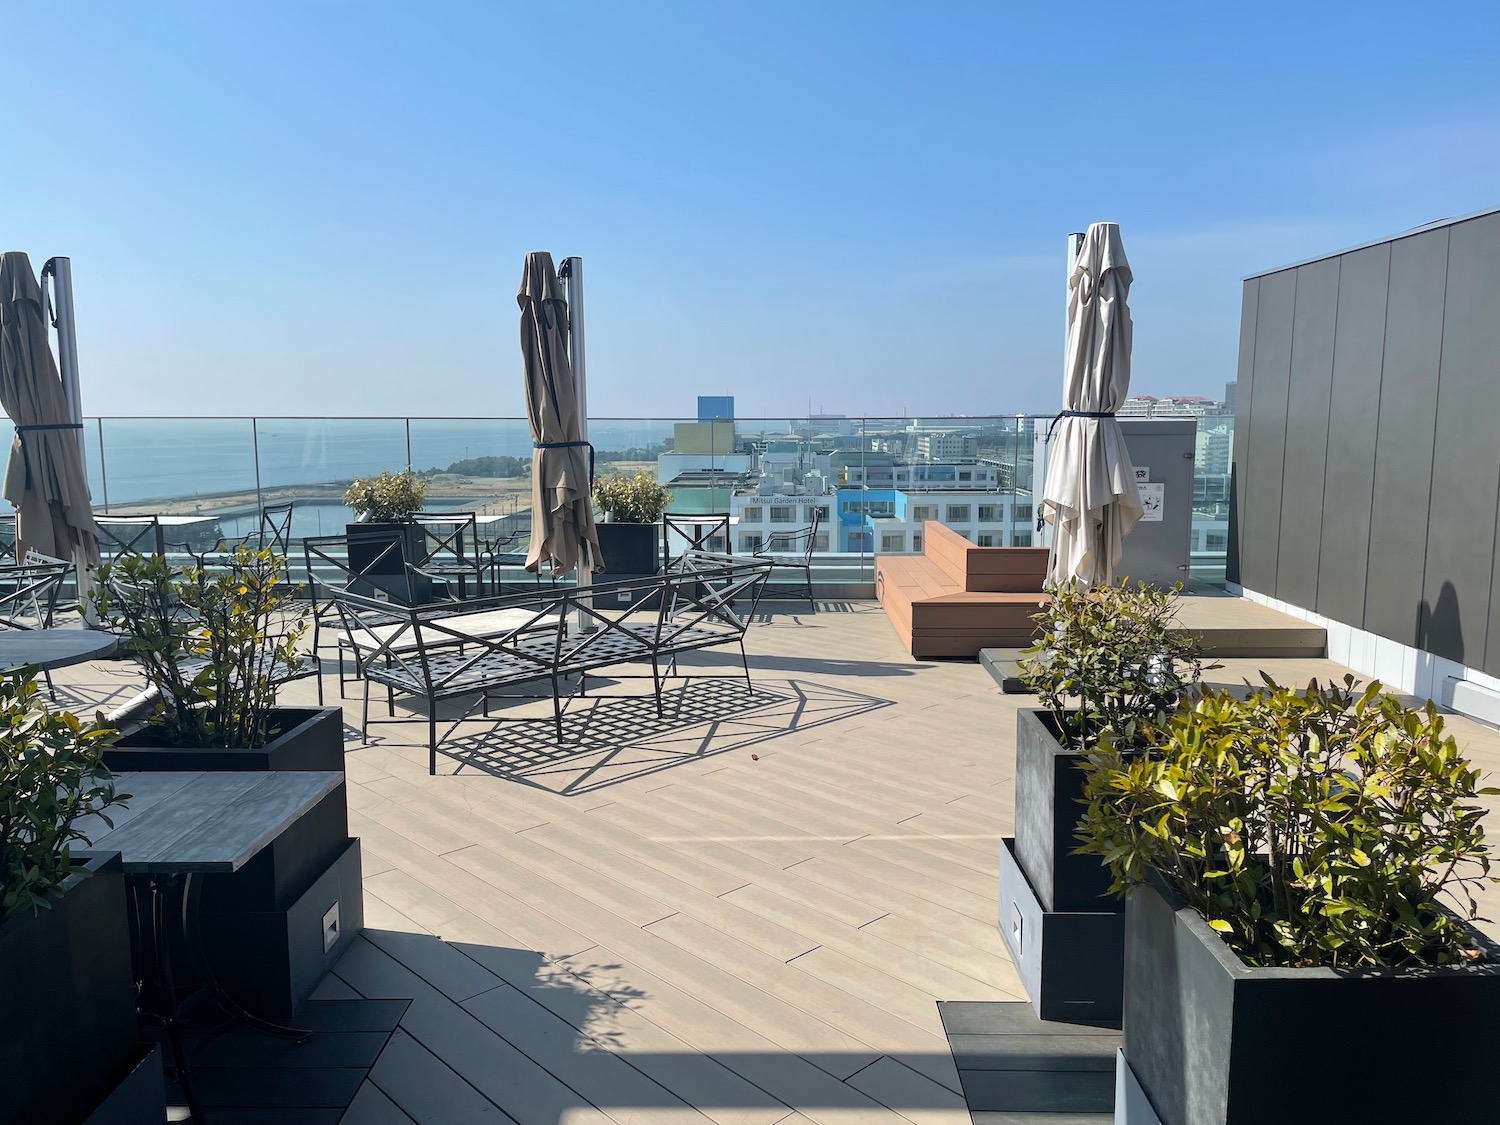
[955, 598]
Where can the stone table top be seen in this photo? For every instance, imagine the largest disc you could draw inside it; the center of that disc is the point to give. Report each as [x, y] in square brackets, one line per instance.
[191, 822]
[53, 648]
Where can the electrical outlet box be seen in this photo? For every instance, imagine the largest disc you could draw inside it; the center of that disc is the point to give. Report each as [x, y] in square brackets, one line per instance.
[331, 927]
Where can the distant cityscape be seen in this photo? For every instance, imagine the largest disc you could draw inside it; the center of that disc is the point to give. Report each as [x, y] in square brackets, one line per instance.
[872, 486]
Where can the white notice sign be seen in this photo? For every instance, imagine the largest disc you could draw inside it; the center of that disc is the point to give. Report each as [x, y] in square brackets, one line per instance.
[1152, 499]
[1142, 474]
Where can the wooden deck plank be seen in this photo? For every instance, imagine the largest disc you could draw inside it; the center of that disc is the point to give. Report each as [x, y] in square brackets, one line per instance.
[371, 1107]
[805, 1082]
[916, 1097]
[972, 974]
[782, 1022]
[611, 1022]
[412, 1076]
[492, 1066]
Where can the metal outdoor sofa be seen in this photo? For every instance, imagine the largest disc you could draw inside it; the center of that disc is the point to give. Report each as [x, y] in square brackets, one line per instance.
[434, 652]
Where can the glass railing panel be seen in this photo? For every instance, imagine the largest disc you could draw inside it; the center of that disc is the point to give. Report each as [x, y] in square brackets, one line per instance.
[310, 462]
[1211, 462]
[480, 465]
[195, 475]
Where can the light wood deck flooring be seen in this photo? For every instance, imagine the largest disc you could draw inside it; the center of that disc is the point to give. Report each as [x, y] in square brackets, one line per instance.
[743, 913]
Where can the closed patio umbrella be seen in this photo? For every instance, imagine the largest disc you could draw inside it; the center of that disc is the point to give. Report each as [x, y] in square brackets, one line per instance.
[562, 512]
[45, 480]
[1090, 495]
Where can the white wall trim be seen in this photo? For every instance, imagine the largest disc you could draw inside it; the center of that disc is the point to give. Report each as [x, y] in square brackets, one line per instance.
[1399, 667]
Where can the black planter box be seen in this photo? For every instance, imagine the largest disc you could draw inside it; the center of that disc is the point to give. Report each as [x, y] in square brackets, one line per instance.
[629, 549]
[271, 960]
[611, 591]
[1049, 789]
[68, 1038]
[311, 739]
[1065, 932]
[1213, 1041]
[387, 573]
[1071, 962]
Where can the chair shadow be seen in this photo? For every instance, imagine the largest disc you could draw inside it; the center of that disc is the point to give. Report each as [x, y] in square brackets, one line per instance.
[613, 739]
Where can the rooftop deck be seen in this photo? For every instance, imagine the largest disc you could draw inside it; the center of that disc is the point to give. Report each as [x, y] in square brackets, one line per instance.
[744, 913]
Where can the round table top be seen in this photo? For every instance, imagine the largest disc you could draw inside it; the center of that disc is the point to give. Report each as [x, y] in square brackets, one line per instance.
[53, 648]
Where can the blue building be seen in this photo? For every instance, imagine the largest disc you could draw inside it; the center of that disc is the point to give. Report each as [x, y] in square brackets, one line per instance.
[715, 408]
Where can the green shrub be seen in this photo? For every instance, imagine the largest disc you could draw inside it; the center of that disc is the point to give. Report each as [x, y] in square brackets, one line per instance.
[216, 642]
[1313, 828]
[51, 775]
[388, 498]
[1108, 660]
[637, 499]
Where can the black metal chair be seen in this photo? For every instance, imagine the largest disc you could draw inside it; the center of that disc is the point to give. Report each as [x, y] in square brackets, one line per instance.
[451, 549]
[29, 592]
[276, 527]
[329, 573]
[705, 532]
[799, 542]
[129, 535]
[495, 554]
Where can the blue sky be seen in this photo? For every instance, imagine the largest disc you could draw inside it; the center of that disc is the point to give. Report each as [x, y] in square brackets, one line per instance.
[323, 208]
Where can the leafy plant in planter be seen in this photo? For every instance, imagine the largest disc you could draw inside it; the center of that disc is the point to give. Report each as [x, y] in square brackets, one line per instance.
[216, 642]
[1109, 661]
[51, 776]
[387, 498]
[1287, 858]
[1308, 828]
[64, 928]
[637, 499]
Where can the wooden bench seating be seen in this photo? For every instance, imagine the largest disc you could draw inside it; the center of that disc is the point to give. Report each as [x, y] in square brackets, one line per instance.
[955, 598]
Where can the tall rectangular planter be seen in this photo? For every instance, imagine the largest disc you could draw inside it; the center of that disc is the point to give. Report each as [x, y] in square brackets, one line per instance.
[69, 1038]
[1071, 962]
[387, 573]
[1049, 789]
[1213, 1041]
[1064, 931]
[271, 959]
[629, 550]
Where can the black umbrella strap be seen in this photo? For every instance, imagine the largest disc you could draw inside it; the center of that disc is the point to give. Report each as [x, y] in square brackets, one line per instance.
[21, 431]
[570, 445]
[1077, 414]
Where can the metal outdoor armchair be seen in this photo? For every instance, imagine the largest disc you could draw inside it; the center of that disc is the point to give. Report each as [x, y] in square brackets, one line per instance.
[330, 573]
[435, 652]
[450, 544]
[794, 543]
[273, 532]
[706, 532]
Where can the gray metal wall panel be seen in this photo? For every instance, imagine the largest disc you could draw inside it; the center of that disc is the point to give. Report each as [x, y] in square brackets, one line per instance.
[1266, 442]
[1310, 380]
[1244, 388]
[1354, 409]
[1404, 442]
[1457, 591]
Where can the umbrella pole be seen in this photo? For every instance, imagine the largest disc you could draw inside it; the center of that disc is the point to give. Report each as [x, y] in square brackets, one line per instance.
[67, 368]
[572, 274]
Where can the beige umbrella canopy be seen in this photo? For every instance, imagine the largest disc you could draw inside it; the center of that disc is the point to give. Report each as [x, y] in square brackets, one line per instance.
[1090, 496]
[45, 480]
[562, 511]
